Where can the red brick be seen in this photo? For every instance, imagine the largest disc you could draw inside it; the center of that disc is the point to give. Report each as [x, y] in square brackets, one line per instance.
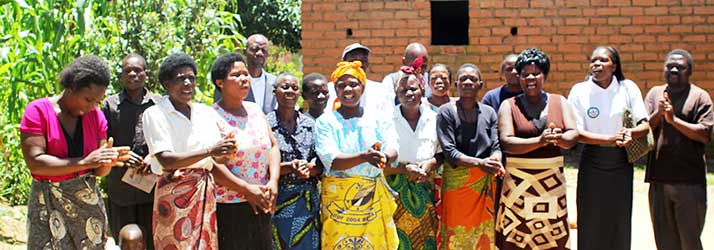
[529, 31]
[375, 24]
[323, 7]
[607, 11]
[644, 2]
[662, 47]
[491, 4]
[407, 33]
[576, 39]
[515, 21]
[489, 40]
[531, 13]
[538, 39]
[680, 28]
[618, 20]
[618, 3]
[577, 3]
[376, 5]
[667, 19]
[632, 11]
[542, 4]
[570, 12]
[653, 11]
[489, 22]
[694, 19]
[577, 21]
[505, 13]
[667, 2]
[704, 10]
[606, 30]
[631, 30]
[680, 10]
[620, 39]
[569, 47]
[517, 4]
[704, 29]
[598, 20]
[643, 20]
[569, 30]
[588, 30]
[406, 14]
[424, 13]
[655, 29]
[395, 5]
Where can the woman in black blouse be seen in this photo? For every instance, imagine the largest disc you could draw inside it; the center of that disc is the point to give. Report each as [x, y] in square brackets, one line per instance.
[297, 218]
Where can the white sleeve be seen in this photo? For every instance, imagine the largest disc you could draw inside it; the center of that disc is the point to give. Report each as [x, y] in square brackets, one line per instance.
[156, 133]
[638, 106]
[577, 109]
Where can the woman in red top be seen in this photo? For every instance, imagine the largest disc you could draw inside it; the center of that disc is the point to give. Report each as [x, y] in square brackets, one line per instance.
[64, 145]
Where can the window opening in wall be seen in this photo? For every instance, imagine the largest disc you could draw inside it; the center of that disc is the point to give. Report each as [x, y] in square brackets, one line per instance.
[449, 22]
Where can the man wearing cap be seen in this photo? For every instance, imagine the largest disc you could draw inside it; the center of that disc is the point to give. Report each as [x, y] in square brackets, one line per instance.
[261, 83]
[411, 53]
[375, 97]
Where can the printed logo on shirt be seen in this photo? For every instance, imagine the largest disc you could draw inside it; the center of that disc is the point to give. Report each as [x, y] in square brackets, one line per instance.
[593, 112]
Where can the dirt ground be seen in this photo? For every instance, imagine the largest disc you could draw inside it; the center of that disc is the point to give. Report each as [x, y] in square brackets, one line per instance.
[13, 233]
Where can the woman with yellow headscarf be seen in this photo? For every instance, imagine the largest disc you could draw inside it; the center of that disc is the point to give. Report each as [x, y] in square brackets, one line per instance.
[357, 205]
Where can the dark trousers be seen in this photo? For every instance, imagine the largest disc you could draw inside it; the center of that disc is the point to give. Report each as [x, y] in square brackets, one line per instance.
[239, 228]
[678, 212]
[140, 214]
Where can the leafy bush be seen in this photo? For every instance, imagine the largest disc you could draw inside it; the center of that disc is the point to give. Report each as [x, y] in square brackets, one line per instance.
[39, 38]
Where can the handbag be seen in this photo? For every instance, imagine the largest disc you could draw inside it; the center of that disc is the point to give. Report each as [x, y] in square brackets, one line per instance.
[638, 147]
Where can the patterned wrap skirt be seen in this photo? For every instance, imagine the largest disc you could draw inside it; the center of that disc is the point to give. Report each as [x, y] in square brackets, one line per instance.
[185, 211]
[533, 208]
[415, 217]
[66, 215]
[296, 222]
[468, 209]
[357, 213]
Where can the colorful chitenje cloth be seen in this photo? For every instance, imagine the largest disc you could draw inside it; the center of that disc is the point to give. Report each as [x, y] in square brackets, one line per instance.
[415, 217]
[533, 208]
[357, 213]
[185, 211]
[467, 196]
[296, 222]
[66, 215]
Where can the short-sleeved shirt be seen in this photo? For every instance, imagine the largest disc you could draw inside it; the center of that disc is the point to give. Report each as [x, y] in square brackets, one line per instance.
[124, 125]
[676, 158]
[40, 118]
[252, 160]
[299, 145]
[457, 137]
[337, 135]
[167, 129]
[494, 97]
[421, 143]
[374, 98]
[599, 110]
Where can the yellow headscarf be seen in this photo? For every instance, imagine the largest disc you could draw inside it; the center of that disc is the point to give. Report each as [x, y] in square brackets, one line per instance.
[353, 68]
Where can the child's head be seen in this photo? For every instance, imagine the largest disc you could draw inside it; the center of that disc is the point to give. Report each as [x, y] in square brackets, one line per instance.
[131, 238]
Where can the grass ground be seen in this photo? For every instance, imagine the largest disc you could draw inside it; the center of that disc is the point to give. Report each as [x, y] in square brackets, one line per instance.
[13, 233]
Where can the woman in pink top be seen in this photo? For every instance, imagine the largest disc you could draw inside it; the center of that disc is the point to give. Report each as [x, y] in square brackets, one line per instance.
[64, 145]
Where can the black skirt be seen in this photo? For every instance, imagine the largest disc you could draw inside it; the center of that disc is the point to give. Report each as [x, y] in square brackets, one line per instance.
[604, 199]
[239, 228]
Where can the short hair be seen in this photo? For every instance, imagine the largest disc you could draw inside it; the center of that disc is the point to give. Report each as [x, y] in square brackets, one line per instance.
[309, 78]
[468, 66]
[533, 56]
[134, 55]
[506, 59]
[174, 62]
[615, 57]
[448, 69]
[223, 64]
[83, 71]
[683, 53]
[280, 77]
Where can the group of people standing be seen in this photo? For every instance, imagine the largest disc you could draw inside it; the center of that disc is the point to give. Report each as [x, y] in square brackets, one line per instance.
[365, 164]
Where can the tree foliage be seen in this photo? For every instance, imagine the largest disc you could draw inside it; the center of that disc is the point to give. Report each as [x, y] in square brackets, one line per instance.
[39, 38]
[278, 20]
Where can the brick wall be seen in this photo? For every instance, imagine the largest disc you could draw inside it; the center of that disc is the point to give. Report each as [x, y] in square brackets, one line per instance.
[567, 30]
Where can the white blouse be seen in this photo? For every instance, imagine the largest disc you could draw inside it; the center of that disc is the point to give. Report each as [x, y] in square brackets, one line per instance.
[600, 110]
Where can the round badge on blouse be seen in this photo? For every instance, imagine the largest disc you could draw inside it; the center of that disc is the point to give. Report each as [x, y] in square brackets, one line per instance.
[593, 112]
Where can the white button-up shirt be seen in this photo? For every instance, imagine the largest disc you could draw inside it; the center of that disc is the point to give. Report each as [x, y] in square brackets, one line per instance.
[600, 110]
[420, 144]
[166, 129]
